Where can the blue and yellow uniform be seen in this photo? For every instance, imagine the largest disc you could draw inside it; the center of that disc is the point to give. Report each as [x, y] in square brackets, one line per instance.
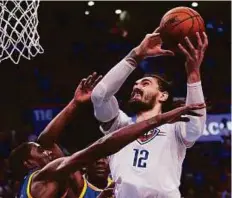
[26, 186]
[91, 191]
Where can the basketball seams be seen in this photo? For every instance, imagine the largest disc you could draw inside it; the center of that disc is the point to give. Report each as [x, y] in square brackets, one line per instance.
[203, 23]
[179, 12]
[199, 25]
[183, 21]
[190, 29]
[200, 18]
[182, 12]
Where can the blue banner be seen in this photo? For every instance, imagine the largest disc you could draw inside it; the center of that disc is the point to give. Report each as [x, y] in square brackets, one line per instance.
[42, 116]
[217, 125]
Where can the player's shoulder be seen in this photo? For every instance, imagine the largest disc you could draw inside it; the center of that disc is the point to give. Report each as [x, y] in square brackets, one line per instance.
[121, 120]
[26, 183]
[124, 117]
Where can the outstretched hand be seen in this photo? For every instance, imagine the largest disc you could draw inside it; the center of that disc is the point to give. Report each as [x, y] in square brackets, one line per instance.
[176, 115]
[151, 46]
[85, 87]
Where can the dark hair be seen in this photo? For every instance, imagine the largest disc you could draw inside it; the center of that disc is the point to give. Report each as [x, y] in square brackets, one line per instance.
[17, 158]
[164, 85]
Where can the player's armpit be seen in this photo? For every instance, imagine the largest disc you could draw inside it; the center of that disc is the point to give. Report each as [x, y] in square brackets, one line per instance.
[107, 125]
[117, 122]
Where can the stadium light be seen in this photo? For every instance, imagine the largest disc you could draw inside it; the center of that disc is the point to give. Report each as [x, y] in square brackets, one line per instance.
[86, 12]
[91, 3]
[194, 4]
[118, 11]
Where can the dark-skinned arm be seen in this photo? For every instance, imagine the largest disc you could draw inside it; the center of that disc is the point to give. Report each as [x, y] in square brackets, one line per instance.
[112, 143]
[52, 132]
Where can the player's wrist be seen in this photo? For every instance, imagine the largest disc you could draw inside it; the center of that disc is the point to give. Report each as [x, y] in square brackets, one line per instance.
[73, 104]
[135, 56]
[193, 77]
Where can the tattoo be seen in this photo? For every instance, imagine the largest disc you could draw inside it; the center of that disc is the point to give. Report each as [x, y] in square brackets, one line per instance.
[133, 58]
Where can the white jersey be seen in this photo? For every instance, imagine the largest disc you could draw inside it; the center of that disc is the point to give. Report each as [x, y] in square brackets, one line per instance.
[150, 167]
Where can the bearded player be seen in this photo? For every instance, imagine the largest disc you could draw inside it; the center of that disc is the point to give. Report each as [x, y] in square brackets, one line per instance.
[150, 166]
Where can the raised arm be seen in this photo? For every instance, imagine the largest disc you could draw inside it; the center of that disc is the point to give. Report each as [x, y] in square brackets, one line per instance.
[105, 104]
[112, 143]
[191, 131]
[48, 137]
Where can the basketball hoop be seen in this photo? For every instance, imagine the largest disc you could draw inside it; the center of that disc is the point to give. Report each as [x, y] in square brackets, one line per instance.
[18, 30]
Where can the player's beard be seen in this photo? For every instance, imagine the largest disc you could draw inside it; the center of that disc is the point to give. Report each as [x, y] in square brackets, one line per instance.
[142, 105]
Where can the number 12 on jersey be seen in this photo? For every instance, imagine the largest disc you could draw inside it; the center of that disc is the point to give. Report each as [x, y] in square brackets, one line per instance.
[140, 158]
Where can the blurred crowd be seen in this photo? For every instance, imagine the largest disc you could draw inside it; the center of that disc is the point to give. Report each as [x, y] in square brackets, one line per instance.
[207, 170]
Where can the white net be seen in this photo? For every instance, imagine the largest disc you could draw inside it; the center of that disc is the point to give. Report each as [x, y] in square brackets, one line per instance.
[18, 30]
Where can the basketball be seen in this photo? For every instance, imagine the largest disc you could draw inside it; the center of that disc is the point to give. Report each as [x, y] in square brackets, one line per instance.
[178, 23]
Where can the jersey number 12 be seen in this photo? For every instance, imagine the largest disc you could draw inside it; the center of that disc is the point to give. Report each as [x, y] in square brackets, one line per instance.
[140, 158]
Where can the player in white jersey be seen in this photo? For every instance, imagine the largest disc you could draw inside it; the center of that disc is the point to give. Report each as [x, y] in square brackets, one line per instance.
[151, 166]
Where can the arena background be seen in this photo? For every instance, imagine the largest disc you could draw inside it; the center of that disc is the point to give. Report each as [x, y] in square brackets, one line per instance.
[77, 43]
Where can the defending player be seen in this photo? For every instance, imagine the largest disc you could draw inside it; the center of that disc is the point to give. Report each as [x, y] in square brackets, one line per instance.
[47, 177]
[81, 187]
[96, 179]
[150, 166]
[48, 140]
